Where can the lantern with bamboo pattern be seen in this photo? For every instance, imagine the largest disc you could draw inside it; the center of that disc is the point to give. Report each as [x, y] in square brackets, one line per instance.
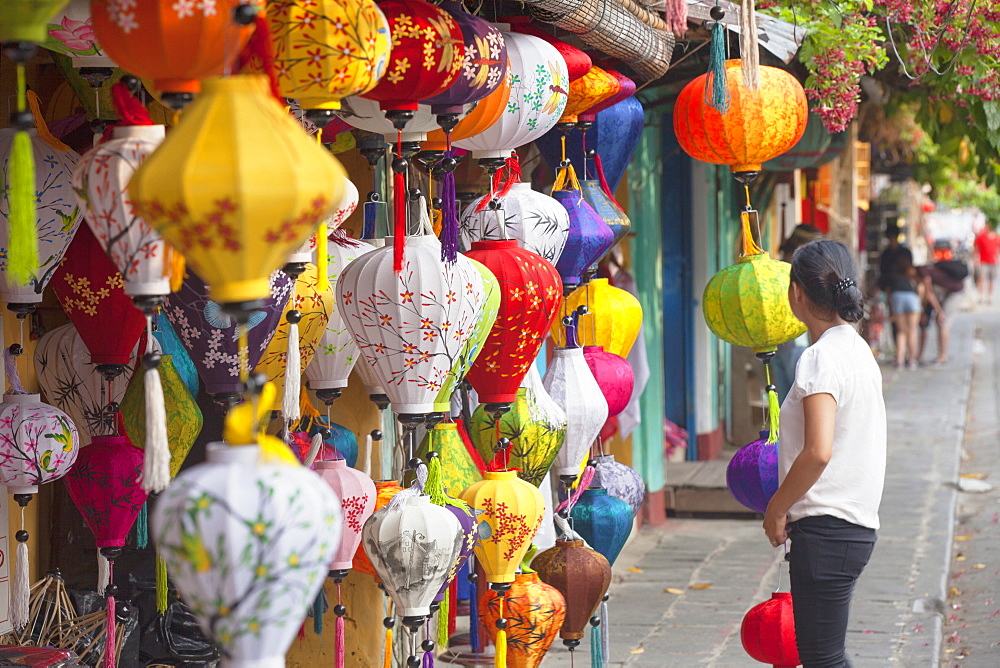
[536, 221]
[534, 611]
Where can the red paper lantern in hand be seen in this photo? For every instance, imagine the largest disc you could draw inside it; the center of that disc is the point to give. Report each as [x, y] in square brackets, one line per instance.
[768, 632]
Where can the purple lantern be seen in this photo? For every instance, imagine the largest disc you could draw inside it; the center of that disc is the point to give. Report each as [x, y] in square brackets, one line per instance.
[589, 238]
[483, 68]
[467, 519]
[211, 337]
[752, 474]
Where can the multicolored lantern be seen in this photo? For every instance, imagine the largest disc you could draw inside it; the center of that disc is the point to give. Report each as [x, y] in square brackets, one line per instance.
[752, 473]
[236, 228]
[759, 124]
[613, 375]
[582, 576]
[212, 338]
[604, 521]
[589, 90]
[56, 215]
[248, 581]
[768, 632]
[537, 222]
[328, 50]
[100, 182]
[613, 319]
[458, 470]
[126, 31]
[589, 236]
[70, 33]
[384, 491]
[534, 612]
[621, 481]
[571, 384]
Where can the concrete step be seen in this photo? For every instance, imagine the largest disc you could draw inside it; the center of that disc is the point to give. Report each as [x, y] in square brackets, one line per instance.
[698, 489]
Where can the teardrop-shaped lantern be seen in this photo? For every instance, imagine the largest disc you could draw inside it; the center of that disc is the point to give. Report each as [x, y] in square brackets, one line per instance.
[752, 473]
[608, 209]
[592, 88]
[38, 443]
[27, 20]
[356, 492]
[571, 384]
[236, 227]
[582, 576]
[588, 240]
[621, 481]
[458, 470]
[100, 181]
[536, 221]
[534, 611]
[604, 521]
[57, 216]
[613, 375]
[247, 545]
[768, 632]
[613, 320]
[384, 491]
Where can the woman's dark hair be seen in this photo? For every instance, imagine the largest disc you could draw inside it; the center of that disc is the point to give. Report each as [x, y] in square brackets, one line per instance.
[827, 273]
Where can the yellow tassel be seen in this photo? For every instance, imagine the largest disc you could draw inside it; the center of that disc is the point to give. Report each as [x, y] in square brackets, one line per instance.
[773, 408]
[41, 127]
[322, 259]
[174, 267]
[501, 642]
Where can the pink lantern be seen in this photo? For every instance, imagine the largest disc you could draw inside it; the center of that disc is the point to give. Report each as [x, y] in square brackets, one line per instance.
[614, 376]
[356, 492]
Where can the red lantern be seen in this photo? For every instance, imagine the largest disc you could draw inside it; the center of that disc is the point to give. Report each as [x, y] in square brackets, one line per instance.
[577, 62]
[626, 88]
[530, 295]
[92, 293]
[768, 632]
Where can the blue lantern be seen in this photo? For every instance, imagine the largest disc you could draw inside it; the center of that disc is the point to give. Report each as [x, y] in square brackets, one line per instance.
[603, 520]
[171, 344]
[752, 474]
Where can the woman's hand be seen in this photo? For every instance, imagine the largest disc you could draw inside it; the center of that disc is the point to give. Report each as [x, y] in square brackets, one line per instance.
[774, 526]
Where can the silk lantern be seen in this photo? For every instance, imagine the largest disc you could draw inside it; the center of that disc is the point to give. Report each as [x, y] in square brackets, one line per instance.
[537, 98]
[759, 124]
[607, 208]
[768, 632]
[235, 228]
[578, 63]
[91, 292]
[171, 345]
[571, 384]
[536, 221]
[486, 112]
[625, 89]
[126, 30]
[613, 320]
[592, 88]
[458, 470]
[70, 33]
[100, 181]
[613, 375]
[534, 611]
[247, 545]
[752, 473]
[25, 20]
[72, 384]
[356, 492]
[530, 294]
[56, 216]
[412, 326]
[326, 51]
[582, 576]
[622, 482]
[384, 491]
[807, 152]
[603, 521]
[589, 236]
[212, 338]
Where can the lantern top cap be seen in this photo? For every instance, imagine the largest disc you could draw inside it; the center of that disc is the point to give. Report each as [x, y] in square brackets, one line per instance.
[569, 543]
[21, 398]
[421, 500]
[144, 131]
[224, 453]
[446, 426]
[332, 464]
[494, 244]
[604, 458]
[500, 475]
[755, 257]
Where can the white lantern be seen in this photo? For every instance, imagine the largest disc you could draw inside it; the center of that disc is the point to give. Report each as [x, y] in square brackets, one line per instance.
[38, 443]
[412, 547]
[412, 326]
[571, 384]
[100, 182]
[365, 114]
[248, 546]
[348, 203]
[70, 33]
[56, 216]
[537, 222]
[537, 98]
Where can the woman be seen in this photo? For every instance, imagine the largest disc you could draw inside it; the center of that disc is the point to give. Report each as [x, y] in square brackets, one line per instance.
[832, 454]
[906, 295]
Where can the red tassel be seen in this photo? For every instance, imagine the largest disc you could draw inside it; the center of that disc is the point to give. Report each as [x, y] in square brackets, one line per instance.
[604, 182]
[399, 213]
[259, 47]
[338, 643]
[110, 641]
[302, 631]
[339, 238]
[452, 606]
[129, 108]
[512, 170]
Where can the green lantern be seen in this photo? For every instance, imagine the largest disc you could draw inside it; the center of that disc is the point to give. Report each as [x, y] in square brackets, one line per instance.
[458, 470]
[27, 20]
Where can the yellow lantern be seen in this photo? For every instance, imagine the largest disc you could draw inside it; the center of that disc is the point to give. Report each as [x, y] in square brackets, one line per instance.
[326, 50]
[237, 187]
[592, 88]
[510, 512]
[612, 321]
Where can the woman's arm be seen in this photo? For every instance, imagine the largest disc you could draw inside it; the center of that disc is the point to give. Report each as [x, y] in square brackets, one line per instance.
[819, 411]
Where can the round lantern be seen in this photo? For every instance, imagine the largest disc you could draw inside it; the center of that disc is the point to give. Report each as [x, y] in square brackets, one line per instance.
[212, 338]
[621, 481]
[100, 182]
[589, 90]
[486, 112]
[534, 612]
[588, 240]
[510, 512]
[127, 29]
[807, 152]
[604, 521]
[537, 222]
[578, 63]
[613, 375]
[607, 208]
[572, 386]
[582, 576]
[384, 491]
[412, 548]
[328, 50]
[237, 227]
[458, 469]
[537, 98]
[247, 545]
[70, 33]
[356, 492]
[411, 326]
[71, 383]
[530, 294]
[535, 427]
[759, 125]
[768, 632]
[613, 319]
[38, 443]
[752, 473]
[427, 55]
[367, 115]
[56, 216]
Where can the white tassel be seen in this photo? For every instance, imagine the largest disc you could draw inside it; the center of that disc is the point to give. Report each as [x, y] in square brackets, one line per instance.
[314, 447]
[293, 376]
[366, 467]
[19, 597]
[605, 633]
[156, 464]
[103, 573]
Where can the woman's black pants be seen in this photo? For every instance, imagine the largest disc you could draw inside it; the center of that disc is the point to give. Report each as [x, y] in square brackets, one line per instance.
[825, 560]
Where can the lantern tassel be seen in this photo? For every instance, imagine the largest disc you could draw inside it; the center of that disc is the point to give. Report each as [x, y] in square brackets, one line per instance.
[314, 448]
[444, 612]
[161, 585]
[103, 573]
[500, 660]
[22, 254]
[109, 645]
[773, 407]
[41, 127]
[293, 373]
[449, 217]
[318, 614]
[605, 632]
[19, 597]
[718, 91]
[387, 656]
[261, 47]
[473, 611]
[596, 646]
[676, 14]
[322, 259]
[338, 643]
[130, 110]
[599, 168]
[142, 527]
[156, 463]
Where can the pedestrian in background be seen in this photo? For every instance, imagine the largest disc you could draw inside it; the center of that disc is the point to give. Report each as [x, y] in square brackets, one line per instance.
[832, 455]
[987, 247]
[906, 296]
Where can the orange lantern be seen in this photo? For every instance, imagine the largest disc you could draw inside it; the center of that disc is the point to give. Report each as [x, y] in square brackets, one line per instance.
[592, 88]
[759, 125]
[176, 44]
[487, 112]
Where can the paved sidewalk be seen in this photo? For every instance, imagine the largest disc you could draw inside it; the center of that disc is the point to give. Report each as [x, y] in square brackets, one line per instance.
[900, 600]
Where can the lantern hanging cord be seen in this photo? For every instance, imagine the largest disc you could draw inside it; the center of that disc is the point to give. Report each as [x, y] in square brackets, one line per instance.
[750, 51]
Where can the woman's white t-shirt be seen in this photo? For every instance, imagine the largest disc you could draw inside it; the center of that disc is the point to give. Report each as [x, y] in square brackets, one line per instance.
[841, 364]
